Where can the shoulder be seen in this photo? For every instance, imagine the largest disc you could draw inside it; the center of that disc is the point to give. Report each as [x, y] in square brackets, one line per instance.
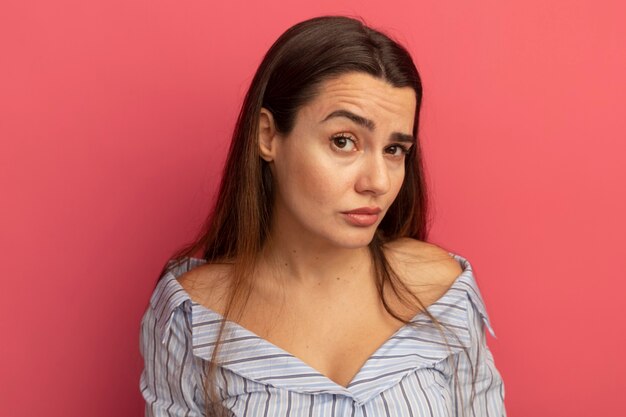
[207, 284]
[428, 257]
[424, 267]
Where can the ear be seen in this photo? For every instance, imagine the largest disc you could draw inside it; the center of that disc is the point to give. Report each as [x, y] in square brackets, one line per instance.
[267, 135]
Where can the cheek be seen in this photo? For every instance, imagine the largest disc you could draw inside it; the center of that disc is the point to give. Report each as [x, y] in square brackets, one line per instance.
[400, 177]
[314, 178]
[398, 181]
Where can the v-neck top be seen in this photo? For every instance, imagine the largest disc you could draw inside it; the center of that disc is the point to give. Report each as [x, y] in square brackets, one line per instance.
[411, 374]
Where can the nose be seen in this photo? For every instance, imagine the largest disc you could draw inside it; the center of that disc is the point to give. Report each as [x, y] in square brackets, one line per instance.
[374, 175]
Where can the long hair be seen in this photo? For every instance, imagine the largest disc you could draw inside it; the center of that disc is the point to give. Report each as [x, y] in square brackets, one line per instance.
[289, 76]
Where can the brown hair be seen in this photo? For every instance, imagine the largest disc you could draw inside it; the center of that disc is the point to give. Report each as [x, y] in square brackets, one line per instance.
[289, 76]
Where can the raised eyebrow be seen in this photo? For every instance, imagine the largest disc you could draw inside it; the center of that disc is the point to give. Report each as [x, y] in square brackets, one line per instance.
[368, 124]
[360, 120]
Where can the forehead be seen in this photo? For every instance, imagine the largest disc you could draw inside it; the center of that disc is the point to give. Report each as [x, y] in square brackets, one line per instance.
[366, 95]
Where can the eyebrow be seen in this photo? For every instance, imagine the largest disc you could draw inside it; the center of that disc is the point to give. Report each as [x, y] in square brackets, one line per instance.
[368, 124]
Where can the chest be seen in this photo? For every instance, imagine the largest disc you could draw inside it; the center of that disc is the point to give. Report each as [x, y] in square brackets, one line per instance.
[334, 332]
[335, 339]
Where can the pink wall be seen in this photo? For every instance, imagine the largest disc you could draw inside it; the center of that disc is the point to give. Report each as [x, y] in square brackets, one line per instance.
[115, 118]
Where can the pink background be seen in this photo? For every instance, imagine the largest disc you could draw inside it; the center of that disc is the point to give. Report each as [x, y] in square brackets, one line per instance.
[115, 118]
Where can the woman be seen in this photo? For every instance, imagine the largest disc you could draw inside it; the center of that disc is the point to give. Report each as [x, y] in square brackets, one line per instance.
[316, 293]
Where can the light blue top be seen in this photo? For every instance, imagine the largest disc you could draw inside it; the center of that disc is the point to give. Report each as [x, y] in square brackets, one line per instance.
[411, 374]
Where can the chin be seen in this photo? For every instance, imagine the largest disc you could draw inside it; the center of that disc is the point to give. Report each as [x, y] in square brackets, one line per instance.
[355, 240]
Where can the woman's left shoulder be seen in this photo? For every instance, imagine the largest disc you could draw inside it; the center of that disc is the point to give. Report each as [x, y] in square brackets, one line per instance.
[423, 265]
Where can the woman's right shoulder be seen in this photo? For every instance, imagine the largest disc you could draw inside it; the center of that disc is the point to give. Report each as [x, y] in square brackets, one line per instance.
[207, 284]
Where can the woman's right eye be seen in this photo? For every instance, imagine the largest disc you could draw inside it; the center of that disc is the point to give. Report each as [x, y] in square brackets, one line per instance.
[343, 143]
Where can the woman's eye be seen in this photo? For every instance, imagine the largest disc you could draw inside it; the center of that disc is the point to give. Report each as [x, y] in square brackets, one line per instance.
[398, 150]
[343, 143]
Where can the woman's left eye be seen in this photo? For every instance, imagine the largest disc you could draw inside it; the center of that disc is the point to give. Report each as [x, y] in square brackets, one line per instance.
[398, 150]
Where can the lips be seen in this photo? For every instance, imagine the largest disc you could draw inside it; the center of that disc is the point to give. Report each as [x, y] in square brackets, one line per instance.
[364, 210]
[363, 216]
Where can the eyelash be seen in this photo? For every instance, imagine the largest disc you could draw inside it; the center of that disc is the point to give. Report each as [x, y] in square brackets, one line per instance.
[404, 150]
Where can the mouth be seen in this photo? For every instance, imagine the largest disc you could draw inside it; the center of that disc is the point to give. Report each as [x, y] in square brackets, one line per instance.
[362, 217]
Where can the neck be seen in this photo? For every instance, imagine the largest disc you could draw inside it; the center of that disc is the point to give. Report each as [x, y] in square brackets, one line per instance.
[309, 264]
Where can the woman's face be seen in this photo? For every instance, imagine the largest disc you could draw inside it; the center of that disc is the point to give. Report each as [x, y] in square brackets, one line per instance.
[346, 152]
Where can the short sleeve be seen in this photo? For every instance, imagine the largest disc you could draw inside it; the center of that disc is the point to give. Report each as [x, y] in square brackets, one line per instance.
[488, 399]
[168, 382]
